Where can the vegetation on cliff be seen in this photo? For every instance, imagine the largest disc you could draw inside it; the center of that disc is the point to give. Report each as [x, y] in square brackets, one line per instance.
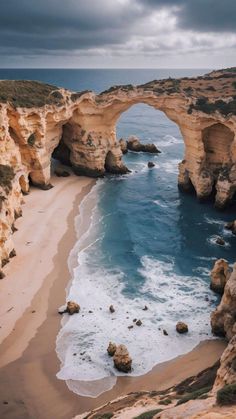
[27, 94]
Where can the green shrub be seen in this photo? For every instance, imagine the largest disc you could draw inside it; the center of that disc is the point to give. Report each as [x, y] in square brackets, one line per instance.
[107, 415]
[165, 402]
[234, 84]
[227, 394]
[148, 415]
[194, 395]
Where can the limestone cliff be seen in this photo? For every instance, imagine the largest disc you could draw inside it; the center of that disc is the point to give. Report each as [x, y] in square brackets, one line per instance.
[38, 120]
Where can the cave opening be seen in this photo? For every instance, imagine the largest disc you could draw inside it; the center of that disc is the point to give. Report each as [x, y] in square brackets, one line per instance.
[217, 140]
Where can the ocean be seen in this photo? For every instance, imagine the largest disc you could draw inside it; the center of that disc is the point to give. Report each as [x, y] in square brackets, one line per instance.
[147, 245]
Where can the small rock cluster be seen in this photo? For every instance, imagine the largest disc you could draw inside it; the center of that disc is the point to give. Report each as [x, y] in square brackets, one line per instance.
[121, 357]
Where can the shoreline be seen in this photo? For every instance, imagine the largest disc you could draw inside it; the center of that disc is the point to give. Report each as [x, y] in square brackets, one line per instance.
[28, 380]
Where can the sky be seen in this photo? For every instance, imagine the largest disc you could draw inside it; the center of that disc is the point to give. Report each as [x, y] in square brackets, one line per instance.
[118, 33]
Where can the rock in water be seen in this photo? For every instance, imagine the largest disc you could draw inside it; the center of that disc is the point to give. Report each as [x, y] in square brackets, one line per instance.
[111, 349]
[151, 164]
[123, 146]
[139, 323]
[181, 327]
[220, 241]
[72, 307]
[231, 226]
[133, 144]
[111, 308]
[219, 276]
[122, 359]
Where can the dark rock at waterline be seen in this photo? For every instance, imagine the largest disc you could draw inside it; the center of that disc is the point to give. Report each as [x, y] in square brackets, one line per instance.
[151, 164]
[181, 327]
[123, 146]
[139, 323]
[165, 333]
[220, 241]
[133, 144]
[111, 309]
[122, 359]
[145, 308]
[231, 226]
[70, 308]
[111, 349]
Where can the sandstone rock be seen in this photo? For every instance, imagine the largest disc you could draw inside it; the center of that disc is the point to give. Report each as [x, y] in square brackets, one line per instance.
[220, 275]
[231, 226]
[123, 146]
[220, 241]
[111, 349]
[226, 373]
[223, 319]
[181, 327]
[111, 308]
[72, 308]
[151, 164]
[133, 144]
[122, 359]
[39, 120]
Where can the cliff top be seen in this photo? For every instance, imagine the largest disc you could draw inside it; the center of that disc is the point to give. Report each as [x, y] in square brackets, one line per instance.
[27, 94]
[217, 85]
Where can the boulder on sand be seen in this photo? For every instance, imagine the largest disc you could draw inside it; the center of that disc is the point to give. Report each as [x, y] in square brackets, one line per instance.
[219, 276]
[181, 327]
[122, 359]
[70, 308]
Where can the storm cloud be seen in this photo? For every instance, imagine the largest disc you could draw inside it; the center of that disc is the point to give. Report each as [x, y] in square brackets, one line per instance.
[34, 29]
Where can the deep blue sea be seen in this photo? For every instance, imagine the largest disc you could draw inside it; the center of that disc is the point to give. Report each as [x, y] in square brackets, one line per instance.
[148, 244]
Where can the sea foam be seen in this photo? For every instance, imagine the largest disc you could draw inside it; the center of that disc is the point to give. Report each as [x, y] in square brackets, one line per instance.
[83, 339]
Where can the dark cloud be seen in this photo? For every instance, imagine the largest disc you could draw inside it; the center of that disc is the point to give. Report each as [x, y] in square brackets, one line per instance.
[200, 15]
[50, 26]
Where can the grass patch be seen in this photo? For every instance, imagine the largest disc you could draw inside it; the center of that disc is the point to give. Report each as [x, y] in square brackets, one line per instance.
[194, 395]
[227, 395]
[148, 415]
[27, 94]
[6, 176]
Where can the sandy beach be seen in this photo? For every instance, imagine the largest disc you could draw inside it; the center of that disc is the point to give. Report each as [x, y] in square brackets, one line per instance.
[31, 293]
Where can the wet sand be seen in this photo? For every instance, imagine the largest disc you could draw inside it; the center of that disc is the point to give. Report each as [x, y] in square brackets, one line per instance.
[35, 288]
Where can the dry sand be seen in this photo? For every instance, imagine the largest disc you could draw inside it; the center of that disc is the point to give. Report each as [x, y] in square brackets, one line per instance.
[29, 297]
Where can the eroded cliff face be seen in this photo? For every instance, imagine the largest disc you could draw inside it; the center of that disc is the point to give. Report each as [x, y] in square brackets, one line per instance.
[38, 120]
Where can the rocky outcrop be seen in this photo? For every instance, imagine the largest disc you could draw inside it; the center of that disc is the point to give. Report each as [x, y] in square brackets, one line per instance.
[123, 146]
[226, 374]
[223, 319]
[71, 308]
[133, 144]
[219, 276]
[231, 226]
[122, 359]
[39, 120]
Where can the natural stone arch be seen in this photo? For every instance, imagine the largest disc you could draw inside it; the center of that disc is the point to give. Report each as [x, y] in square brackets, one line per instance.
[217, 140]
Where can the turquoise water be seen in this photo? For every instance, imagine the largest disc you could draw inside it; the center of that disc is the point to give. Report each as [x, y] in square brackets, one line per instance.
[148, 244]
